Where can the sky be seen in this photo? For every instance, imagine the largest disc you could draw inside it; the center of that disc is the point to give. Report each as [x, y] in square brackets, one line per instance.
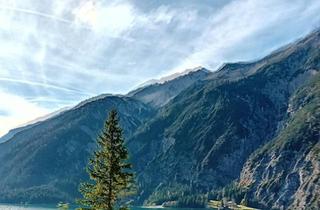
[54, 54]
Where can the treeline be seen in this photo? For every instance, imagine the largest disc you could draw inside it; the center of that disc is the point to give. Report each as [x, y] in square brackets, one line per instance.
[43, 194]
[234, 192]
[230, 192]
[178, 195]
[193, 201]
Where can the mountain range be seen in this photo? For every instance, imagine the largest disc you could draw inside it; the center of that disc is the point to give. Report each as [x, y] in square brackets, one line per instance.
[250, 129]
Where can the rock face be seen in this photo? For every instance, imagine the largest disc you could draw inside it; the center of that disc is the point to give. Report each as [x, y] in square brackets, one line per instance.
[285, 173]
[256, 124]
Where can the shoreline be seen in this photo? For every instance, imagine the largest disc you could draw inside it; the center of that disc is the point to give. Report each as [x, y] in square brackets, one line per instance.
[151, 207]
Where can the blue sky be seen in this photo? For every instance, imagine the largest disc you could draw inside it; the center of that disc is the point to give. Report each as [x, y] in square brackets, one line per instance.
[56, 53]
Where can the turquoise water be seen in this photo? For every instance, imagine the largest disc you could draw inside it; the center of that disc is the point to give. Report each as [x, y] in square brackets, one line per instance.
[51, 207]
[24, 207]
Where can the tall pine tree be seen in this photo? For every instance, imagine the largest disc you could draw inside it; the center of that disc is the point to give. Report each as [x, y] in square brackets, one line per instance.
[109, 170]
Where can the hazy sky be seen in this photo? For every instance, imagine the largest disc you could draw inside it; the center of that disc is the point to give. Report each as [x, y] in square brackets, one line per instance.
[57, 53]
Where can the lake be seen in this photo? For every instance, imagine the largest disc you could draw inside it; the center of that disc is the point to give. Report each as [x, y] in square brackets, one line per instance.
[51, 207]
[23, 207]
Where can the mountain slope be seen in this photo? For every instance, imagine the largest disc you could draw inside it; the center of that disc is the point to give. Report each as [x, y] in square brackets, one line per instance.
[161, 92]
[285, 173]
[201, 139]
[30, 124]
[208, 131]
[46, 162]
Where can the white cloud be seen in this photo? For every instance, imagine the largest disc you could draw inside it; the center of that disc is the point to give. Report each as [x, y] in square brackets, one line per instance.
[109, 18]
[241, 23]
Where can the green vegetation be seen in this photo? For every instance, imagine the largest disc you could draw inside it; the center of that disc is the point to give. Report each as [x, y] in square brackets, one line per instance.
[178, 195]
[193, 201]
[230, 192]
[228, 205]
[232, 196]
[235, 194]
[109, 170]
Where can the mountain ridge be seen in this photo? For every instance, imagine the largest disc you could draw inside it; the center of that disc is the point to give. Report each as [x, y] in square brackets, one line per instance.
[199, 139]
[30, 124]
[27, 125]
[158, 94]
[249, 126]
[169, 77]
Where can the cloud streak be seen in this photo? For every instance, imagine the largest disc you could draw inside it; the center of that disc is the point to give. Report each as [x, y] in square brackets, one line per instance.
[35, 13]
[44, 85]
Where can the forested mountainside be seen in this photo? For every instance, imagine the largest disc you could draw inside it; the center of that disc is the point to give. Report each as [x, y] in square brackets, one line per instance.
[250, 125]
[46, 162]
[202, 138]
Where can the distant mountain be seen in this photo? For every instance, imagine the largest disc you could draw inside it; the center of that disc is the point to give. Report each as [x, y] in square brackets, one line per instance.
[162, 91]
[30, 124]
[249, 131]
[13, 132]
[169, 77]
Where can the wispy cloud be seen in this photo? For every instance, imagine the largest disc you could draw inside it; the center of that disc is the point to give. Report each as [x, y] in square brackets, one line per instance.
[44, 85]
[35, 13]
[249, 29]
[55, 53]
